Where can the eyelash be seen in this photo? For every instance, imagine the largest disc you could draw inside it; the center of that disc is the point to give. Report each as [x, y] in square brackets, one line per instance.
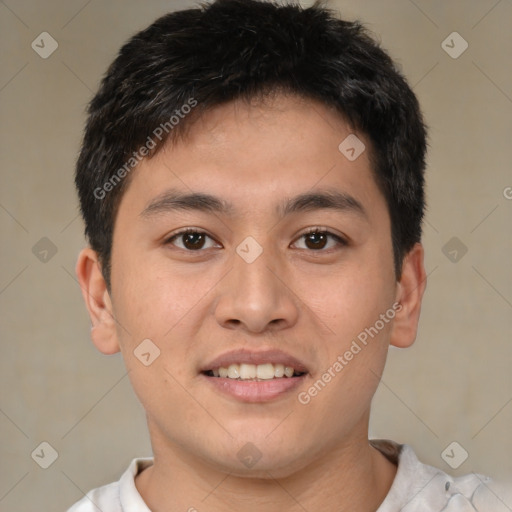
[342, 242]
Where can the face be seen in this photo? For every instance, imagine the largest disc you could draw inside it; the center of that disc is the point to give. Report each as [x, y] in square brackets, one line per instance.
[288, 262]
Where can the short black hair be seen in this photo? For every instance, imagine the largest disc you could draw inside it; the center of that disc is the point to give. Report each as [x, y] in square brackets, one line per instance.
[190, 61]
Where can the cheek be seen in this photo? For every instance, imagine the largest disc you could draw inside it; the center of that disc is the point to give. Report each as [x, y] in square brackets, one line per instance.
[351, 302]
[350, 299]
[154, 301]
[148, 298]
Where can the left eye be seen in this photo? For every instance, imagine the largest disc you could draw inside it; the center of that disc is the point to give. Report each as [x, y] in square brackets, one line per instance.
[316, 240]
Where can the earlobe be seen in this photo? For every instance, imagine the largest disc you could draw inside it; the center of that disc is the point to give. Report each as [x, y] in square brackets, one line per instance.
[97, 301]
[410, 291]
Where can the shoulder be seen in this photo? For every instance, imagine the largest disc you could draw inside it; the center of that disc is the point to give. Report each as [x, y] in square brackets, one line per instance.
[114, 497]
[420, 487]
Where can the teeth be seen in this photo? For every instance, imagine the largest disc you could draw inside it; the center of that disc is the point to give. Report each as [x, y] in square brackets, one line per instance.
[233, 371]
[245, 371]
[288, 371]
[265, 371]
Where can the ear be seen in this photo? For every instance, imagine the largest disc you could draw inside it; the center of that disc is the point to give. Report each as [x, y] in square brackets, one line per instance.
[97, 300]
[410, 289]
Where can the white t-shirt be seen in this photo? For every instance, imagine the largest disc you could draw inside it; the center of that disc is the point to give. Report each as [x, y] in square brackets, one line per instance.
[417, 487]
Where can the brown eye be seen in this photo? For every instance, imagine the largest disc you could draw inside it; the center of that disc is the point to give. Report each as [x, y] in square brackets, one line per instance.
[317, 240]
[193, 240]
[190, 240]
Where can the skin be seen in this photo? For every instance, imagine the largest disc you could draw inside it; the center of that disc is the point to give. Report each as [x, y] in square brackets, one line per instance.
[306, 301]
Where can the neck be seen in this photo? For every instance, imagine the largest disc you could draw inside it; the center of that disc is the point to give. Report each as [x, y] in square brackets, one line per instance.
[353, 476]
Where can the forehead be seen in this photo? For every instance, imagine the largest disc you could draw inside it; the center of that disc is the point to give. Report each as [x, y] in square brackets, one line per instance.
[256, 154]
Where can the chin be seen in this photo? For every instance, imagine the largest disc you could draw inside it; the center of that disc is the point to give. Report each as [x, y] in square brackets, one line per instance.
[249, 461]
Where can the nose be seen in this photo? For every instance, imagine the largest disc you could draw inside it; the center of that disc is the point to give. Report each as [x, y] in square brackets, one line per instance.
[257, 295]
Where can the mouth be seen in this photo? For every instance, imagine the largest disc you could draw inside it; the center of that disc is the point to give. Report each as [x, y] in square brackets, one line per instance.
[255, 376]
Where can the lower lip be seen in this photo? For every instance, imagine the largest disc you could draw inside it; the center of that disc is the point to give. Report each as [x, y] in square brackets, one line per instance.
[255, 391]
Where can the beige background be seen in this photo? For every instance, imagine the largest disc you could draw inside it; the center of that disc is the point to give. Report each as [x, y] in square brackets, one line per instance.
[455, 384]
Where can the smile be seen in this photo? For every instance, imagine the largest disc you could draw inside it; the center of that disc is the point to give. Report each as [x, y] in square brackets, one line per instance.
[253, 372]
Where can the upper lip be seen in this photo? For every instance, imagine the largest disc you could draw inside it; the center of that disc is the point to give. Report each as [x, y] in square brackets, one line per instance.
[274, 356]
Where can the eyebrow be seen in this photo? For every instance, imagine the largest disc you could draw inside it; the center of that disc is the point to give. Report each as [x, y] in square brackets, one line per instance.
[175, 200]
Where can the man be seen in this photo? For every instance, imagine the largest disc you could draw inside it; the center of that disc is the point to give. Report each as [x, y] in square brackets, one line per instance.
[251, 180]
